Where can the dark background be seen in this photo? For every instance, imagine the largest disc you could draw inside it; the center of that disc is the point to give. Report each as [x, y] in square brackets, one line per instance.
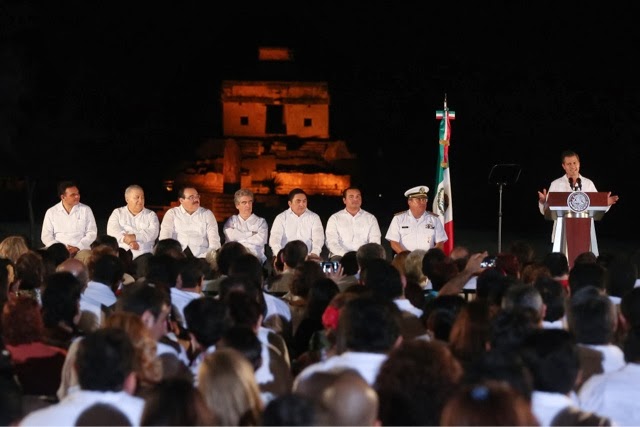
[111, 93]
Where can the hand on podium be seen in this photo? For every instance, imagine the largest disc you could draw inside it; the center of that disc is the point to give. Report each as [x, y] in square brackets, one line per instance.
[611, 200]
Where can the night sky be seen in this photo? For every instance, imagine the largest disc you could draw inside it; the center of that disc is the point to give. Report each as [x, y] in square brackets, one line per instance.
[111, 93]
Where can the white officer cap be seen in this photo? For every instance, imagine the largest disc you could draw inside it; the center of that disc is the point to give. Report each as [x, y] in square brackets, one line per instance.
[418, 192]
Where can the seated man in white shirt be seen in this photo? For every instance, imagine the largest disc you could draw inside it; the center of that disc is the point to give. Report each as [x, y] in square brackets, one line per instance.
[69, 222]
[192, 225]
[135, 227]
[246, 227]
[98, 298]
[104, 364]
[297, 223]
[351, 227]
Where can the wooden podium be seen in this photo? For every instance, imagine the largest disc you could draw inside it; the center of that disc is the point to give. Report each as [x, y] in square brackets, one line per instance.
[574, 213]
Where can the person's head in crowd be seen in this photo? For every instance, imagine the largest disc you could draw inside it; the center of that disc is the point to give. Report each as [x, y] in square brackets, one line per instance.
[621, 276]
[77, 268]
[7, 276]
[176, 402]
[557, 264]
[368, 324]
[415, 382]
[554, 296]
[505, 366]
[30, 272]
[413, 267]
[243, 338]
[61, 301]
[305, 275]
[586, 258]
[207, 320]
[170, 247]
[294, 253]
[11, 247]
[22, 321]
[470, 331]
[460, 255]
[592, 316]
[398, 262]
[242, 283]
[630, 309]
[146, 365]
[106, 240]
[331, 314]
[278, 262]
[151, 303]
[350, 401]
[106, 269]
[321, 294]
[523, 250]
[437, 269]
[57, 253]
[227, 382]
[509, 264]
[191, 272]
[551, 355]
[534, 270]
[440, 314]
[105, 361]
[587, 274]
[349, 262]
[491, 285]
[243, 309]
[509, 327]
[249, 267]
[521, 295]
[492, 403]
[162, 270]
[369, 251]
[290, 409]
[102, 414]
[381, 278]
[227, 254]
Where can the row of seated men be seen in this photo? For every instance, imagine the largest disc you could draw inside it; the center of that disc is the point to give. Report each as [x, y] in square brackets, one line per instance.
[395, 344]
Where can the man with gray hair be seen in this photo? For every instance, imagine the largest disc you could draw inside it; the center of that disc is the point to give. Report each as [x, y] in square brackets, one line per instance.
[135, 227]
[246, 227]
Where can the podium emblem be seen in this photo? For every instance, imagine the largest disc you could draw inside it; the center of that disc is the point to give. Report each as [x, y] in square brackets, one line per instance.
[578, 201]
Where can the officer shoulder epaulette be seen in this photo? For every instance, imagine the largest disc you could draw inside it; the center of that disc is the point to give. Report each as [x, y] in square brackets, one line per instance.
[399, 213]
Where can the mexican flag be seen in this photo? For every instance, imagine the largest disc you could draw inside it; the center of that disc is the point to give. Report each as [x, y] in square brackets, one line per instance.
[443, 202]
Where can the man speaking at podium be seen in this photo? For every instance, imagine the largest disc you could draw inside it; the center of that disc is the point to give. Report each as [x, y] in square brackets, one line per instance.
[571, 181]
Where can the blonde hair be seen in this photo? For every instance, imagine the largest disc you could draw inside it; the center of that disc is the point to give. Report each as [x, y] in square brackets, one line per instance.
[147, 366]
[12, 247]
[227, 382]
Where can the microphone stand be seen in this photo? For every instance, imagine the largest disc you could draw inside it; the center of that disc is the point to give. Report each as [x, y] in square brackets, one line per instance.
[501, 175]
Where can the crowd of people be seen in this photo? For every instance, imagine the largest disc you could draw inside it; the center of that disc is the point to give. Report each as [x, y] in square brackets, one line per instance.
[172, 322]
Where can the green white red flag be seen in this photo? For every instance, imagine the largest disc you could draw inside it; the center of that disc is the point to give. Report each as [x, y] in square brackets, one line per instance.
[443, 201]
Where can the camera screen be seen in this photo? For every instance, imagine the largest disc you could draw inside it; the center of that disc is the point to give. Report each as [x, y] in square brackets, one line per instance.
[489, 261]
[329, 266]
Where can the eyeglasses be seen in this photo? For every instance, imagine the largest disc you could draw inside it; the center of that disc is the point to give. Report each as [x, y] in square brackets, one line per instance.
[193, 197]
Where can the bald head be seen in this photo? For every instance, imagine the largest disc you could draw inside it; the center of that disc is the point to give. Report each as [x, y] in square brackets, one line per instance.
[75, 267]
[350, 401]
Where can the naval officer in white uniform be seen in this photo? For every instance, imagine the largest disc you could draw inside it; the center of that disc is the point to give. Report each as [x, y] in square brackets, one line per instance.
[416, 228]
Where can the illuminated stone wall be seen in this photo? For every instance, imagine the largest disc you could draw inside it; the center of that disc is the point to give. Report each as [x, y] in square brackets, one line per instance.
[312, 183]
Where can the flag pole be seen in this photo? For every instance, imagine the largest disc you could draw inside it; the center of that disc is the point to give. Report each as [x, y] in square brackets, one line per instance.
[443, 201]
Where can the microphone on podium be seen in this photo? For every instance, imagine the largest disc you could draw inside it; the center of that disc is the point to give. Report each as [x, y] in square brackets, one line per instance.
[579, 184]
[571, 183]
